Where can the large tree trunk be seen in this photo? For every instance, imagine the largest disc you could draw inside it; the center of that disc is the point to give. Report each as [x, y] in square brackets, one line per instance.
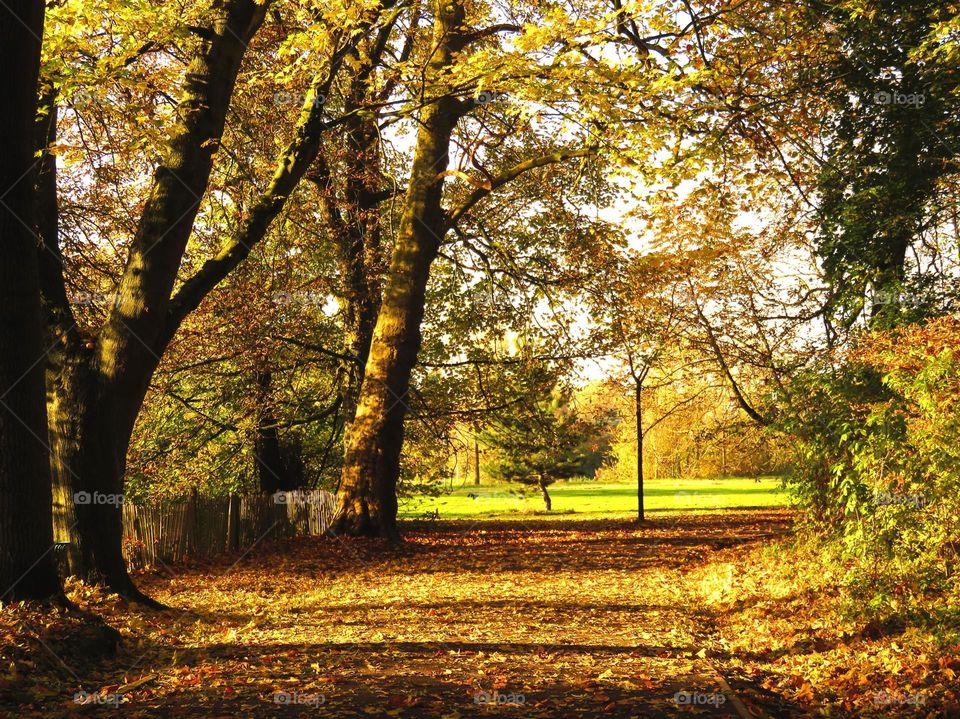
[26, 539]
[367, 500]
[96, 386]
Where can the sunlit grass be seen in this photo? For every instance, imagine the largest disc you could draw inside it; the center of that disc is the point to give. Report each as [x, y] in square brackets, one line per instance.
[581, 498]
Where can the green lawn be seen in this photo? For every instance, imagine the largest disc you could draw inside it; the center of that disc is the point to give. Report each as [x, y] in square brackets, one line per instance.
[591, 498]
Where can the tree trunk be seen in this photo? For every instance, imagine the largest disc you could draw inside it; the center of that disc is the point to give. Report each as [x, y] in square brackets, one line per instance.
[267, 451]
[361, 254]
[476, 461]
[367, 500]
[68, 356]
[27, 569]
[88, 443]
[639, 401]
[547, 504]
[96, 385]
[104, 417]
[356, 229]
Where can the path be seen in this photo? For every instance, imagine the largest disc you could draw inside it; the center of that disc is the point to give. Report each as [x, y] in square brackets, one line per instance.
[553, 618]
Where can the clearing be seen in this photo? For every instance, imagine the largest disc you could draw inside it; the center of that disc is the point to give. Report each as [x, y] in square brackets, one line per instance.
[598, 499]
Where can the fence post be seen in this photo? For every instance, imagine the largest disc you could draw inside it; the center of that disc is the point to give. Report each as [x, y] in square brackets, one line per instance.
[192, 530]
[233, 523]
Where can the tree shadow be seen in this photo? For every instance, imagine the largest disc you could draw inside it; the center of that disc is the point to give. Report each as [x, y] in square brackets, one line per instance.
[407, 679]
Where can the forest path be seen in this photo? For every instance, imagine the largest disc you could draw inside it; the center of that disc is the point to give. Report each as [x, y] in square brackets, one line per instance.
[540, 617]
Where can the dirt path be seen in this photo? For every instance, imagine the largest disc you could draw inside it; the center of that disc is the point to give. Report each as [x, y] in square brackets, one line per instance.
[542, 618]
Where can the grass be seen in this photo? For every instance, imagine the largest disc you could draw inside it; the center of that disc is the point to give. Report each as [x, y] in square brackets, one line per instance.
[584, 497]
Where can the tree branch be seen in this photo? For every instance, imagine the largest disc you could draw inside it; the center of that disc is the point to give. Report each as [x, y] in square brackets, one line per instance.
[513, 173]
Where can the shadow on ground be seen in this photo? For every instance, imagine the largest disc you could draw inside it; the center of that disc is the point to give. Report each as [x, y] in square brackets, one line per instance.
[551, 618]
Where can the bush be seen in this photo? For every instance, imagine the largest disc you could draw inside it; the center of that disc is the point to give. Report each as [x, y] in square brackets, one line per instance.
[878, 459]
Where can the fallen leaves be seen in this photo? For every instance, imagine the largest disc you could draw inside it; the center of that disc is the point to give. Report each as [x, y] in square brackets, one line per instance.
[786, 623]
[577, 618]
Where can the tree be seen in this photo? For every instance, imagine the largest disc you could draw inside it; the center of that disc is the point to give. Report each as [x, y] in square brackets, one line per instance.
[894, 131]
[97, 382]
[539, 444]
[466, 65]
[367, 502]
[639, 321]
[26, 537]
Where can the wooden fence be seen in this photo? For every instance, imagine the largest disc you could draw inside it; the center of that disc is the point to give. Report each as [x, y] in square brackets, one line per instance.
[204, 526]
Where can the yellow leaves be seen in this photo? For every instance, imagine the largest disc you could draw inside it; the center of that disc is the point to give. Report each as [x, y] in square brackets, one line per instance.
[583, 619]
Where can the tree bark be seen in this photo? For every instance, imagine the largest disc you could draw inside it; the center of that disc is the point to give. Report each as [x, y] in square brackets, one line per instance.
[639, 404]
[68, 355]
[357, 234]
[367, 500]
[27, 569]
[96, 386]
[355, 223]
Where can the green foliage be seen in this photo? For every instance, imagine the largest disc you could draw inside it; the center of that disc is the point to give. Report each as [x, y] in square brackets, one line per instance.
[878, 460]
[894, 129]
[539, 443]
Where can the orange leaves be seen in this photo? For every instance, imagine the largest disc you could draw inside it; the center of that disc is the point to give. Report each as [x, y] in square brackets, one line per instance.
[543, 618]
